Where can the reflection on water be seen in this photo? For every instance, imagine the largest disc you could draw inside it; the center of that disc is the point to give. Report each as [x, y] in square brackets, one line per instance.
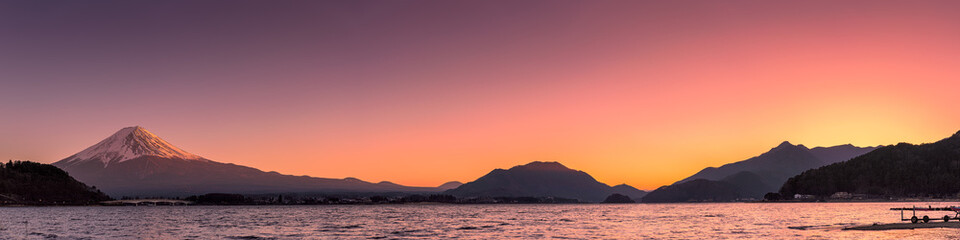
[562, 221]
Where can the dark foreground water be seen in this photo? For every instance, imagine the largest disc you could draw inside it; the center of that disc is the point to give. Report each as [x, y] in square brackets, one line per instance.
[564, 221]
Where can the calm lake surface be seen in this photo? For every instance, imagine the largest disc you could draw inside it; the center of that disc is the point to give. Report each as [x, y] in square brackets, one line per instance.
[560, 221]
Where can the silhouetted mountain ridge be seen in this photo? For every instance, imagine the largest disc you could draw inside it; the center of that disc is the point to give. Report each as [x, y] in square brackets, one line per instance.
[449, 185]
[781, 161]
[755, 176]
[135, 162]
[629, 191]
[540, 179]
[542, 166]
[697, 190]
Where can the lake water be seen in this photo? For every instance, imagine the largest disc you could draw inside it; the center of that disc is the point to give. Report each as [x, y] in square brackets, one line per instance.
[559, 221]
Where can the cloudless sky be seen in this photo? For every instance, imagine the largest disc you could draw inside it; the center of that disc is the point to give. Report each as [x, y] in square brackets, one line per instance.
[423, 92]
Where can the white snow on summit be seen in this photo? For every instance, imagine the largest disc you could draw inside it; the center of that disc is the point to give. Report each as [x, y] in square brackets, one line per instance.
[130, 143]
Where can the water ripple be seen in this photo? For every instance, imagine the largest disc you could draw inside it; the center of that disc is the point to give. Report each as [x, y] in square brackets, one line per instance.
[522, 221]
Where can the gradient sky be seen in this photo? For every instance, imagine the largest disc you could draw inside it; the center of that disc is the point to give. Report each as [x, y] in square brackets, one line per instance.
[423, 92]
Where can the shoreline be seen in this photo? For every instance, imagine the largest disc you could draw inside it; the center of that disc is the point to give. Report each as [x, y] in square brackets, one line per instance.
[903, 226]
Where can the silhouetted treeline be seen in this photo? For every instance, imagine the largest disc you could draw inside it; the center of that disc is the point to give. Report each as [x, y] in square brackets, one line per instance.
[30, 183]
[904, 170]
[618, 198]
[294, 199]
[220, 199]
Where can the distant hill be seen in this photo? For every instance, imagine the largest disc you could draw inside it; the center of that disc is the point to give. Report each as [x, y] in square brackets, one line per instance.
[540, 179]
[449, 185]
[749, 184]
[698, 190]
[33, 183]
[903, 170]
[754, 177]
[618, 198]
[742, 185]
[135, 162]
[783, 161]
[629, 191]
[839, 153]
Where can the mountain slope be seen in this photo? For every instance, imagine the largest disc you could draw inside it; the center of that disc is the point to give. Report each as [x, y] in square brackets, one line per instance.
[902, 170]
[753, 177]
[538, 179]
[126, 144]
[698, 190]
[739, 186]
[449, 185]
[629, 191]
[41, 184]
[839, 153]
[749, 184]
[135, 162]
[784, 161]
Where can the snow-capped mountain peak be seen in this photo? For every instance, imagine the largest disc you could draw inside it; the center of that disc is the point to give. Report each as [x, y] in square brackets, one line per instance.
[130, 143]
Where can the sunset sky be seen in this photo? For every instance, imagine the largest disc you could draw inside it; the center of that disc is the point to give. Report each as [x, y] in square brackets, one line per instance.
[423, 92]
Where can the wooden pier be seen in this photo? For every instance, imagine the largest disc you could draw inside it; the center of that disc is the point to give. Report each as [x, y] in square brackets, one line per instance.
[926, 218]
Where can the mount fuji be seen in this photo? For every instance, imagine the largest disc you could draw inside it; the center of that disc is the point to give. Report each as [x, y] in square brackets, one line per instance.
[127, 144]
[134, 162]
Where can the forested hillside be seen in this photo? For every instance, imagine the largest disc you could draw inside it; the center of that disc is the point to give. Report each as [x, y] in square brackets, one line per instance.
[31, 183]
[903, 170]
